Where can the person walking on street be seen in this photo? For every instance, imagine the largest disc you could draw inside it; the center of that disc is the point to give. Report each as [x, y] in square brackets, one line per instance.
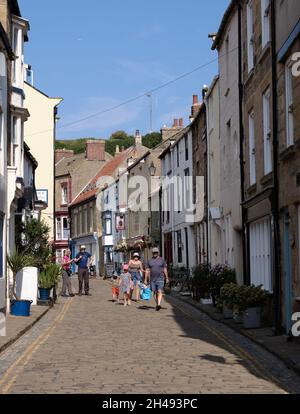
[137, 274]
[66, 275]
[83, 260]
[157, 275]
[126, 284]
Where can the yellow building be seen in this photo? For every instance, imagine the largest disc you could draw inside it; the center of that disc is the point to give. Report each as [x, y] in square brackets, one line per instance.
[40, 137]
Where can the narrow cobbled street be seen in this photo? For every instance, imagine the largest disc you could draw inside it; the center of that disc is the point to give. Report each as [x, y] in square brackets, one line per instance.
[91, 345]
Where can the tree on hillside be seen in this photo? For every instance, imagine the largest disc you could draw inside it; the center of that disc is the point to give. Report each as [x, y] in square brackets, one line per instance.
[152, 140]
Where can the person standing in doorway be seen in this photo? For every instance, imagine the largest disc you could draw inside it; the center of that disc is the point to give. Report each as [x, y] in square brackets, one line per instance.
[157, 275]
[83, 261]
[66, 275]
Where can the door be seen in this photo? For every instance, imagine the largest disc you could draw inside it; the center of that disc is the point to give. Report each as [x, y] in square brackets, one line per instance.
[288, 290]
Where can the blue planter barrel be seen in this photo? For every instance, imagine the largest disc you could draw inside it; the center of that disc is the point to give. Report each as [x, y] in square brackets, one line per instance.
[44, 293]
[20, 307]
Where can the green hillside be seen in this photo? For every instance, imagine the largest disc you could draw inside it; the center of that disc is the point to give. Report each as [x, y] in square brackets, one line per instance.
[118, 138]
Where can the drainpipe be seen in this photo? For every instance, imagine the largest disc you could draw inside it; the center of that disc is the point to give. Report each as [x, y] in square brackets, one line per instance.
[241, 129]
[275, 192]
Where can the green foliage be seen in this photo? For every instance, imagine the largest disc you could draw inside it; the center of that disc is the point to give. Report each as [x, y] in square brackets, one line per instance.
[247, 297]
[201, 280]
[228, 295]
[77, 145]
[119, 135]
[152, 140]
[219, 276]
[49, 277]
[16, 262]
[32, 240]
[120, 138]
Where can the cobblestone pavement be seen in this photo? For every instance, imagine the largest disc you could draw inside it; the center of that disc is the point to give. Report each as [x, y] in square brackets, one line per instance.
[90, 345]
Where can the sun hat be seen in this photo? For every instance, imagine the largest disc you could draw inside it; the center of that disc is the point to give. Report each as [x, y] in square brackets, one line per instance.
[136, 254]
[82, 247]
[155, 250]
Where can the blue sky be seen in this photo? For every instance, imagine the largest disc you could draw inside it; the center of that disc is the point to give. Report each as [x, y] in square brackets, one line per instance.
[97, 54]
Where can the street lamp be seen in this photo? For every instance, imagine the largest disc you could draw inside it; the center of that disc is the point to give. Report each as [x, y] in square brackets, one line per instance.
[152, 169]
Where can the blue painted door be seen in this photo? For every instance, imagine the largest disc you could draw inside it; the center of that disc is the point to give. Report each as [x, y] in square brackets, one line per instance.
[288, 289]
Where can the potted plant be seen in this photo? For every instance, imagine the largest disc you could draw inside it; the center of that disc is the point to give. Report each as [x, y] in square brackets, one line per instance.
[219, 276]
[201, 283]
[48, 279]
[248, 303]
[18, 261]
[227, 299]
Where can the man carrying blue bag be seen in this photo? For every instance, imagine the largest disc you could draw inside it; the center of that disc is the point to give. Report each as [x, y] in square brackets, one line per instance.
[157, 275]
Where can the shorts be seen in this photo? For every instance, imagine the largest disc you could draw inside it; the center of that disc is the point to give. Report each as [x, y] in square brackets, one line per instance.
[157, 286]
[115, 291]
[137, 279]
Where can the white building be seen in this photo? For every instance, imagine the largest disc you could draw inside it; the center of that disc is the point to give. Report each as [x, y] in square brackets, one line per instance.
[226, 43]
[178, 237]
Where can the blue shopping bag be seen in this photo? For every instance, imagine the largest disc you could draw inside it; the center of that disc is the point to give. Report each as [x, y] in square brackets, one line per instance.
[146, 294]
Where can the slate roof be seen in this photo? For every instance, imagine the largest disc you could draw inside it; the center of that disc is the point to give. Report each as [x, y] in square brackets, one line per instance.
[80, 169]
[111, 169]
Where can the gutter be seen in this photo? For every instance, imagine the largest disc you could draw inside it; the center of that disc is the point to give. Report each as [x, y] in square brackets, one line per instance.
[246, 270]
[275, 193]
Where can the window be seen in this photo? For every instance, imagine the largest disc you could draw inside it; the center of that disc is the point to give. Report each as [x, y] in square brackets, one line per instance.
[187, 186]
[289, 105]
[178, 153]
[252, 155]
[1, 245]
[107, 224]
[250, 35]
[228, 230]
[260, 254]
[15, 140]
[179, 246]
[62, 228]
[267, 132]
[84, 221]
[64, 194]
[186, 148]
[265, 16]
[91, 219]
[16, 53]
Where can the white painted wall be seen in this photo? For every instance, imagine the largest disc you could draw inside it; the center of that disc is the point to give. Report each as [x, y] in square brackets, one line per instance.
[39, 136]
[230, 184]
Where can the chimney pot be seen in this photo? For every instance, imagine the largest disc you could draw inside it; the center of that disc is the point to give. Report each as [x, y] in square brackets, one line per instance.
[195, 99]
[176, 123]
[181, 122]
[138, 137]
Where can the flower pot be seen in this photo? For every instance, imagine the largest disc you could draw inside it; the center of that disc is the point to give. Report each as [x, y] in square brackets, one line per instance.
[20, 307]
[44, 293]
[252, 318]
[227, 313]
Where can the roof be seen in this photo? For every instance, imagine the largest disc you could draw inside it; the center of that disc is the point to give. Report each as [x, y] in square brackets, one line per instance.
[110, 169]
[30, 156]
[224, 22]
[177, 137]
[107, 169]
[15, 9]
[81, 170]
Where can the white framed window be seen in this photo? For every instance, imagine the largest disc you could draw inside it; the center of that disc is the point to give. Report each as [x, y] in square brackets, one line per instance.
[250, 36]
[64, 194]
[16, 50]
[260, 253]
[289, 105]
[15, 141]
[265, 22]
[267, 132]
[62, 228]
[252, 153]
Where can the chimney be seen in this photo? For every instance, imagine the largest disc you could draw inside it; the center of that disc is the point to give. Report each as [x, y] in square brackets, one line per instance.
[63, 153]
[117, 150]
[138, 138]
[195, 107]
[167, 132]
[95, 150]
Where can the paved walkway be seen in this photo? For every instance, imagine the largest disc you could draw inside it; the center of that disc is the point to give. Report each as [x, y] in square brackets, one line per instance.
[90, 345]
